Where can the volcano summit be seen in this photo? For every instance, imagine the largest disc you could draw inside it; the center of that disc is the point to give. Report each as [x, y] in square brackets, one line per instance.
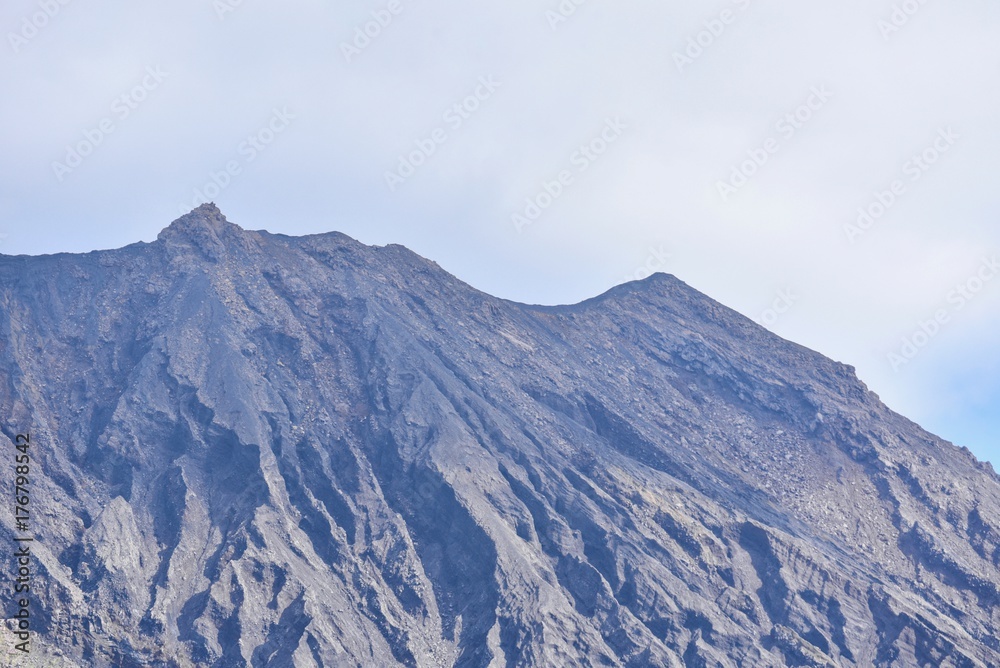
[250, 449]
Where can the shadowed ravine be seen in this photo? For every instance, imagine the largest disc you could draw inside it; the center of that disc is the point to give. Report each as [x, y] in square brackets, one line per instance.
[252, 449]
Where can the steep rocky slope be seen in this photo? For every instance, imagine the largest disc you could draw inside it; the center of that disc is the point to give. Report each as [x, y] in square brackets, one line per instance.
[252, 449]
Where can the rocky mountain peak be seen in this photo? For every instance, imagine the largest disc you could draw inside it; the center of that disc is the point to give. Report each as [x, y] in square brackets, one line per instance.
[203, 228]
[251, 449]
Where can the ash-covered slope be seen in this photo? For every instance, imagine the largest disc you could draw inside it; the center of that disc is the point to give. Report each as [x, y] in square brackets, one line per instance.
[251, 449]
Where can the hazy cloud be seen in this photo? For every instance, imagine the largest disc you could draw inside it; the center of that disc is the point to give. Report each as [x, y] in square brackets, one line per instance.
[814, 110]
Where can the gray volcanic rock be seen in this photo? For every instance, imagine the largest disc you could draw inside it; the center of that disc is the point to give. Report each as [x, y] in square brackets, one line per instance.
[252, 449]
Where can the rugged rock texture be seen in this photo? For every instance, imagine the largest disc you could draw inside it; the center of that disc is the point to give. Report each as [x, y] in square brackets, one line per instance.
[251, 449]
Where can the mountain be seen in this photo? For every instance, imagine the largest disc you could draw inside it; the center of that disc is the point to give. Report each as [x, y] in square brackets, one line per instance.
[254, 449]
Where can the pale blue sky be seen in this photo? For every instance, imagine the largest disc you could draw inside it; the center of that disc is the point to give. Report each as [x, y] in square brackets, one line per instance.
[729, 143]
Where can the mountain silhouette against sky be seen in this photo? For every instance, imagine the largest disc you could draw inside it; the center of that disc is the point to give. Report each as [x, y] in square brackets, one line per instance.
[251, 449]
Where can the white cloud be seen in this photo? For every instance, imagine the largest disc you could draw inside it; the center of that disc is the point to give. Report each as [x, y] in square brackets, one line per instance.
[656, 187]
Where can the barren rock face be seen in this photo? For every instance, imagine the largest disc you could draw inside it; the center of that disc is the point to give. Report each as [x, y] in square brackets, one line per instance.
[251, 449]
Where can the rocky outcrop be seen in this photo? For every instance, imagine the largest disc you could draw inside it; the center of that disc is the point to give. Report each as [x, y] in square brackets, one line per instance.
[252, 449]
